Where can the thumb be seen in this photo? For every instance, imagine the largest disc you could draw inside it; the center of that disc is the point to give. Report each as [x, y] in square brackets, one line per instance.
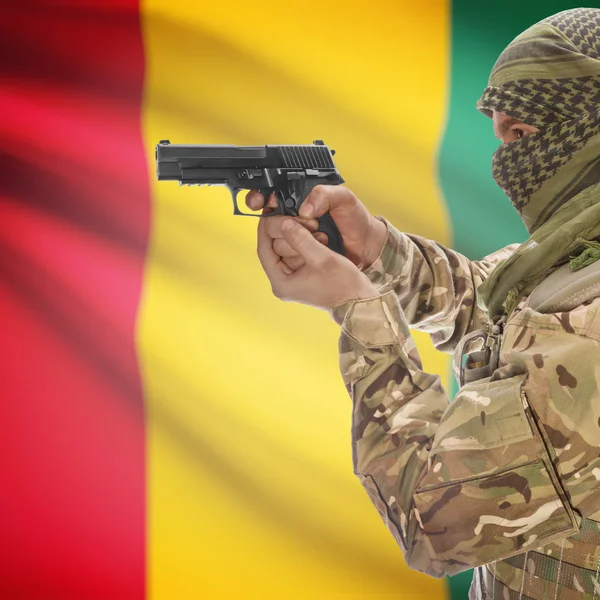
[302, 241]
[325, 198]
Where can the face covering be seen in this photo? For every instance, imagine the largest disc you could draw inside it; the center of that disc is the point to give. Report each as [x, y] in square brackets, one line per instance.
[548, 77]
[525, 168]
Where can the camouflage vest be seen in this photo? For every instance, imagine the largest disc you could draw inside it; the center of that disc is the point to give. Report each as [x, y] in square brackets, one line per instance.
[568, 570]
[573, 564]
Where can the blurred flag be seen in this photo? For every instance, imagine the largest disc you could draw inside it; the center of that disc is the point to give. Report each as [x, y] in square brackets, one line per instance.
[168, 429]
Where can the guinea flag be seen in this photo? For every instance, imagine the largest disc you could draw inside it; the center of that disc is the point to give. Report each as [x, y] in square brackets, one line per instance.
[168, 428]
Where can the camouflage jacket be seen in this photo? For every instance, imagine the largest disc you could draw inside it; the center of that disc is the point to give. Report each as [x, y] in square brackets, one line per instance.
[513, 463]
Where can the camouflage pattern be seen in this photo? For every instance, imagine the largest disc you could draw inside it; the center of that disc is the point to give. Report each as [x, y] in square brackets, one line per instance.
[536, 573]
[507, 474]
[434, 285]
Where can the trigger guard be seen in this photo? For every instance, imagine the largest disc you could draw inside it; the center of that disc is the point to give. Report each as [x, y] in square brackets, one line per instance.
[234, 193]
[236, 209]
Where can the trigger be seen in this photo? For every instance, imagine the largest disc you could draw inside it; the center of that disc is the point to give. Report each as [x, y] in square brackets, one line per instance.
[280, 210]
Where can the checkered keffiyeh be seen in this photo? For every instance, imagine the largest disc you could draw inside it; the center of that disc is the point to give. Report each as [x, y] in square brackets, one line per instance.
[548, 77]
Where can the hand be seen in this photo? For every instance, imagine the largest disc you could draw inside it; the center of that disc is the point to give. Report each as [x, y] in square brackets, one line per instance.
[363, 236]
[325, 279]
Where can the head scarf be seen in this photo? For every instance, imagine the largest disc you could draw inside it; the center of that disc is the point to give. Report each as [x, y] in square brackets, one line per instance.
[548, 77]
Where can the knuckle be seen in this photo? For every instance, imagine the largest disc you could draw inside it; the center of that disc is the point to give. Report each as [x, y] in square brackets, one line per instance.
[347, 195]
[281, 247]
[317, 192]
[294, 262]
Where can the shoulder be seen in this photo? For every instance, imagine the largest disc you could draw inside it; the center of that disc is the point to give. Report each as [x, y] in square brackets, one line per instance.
[582, 320]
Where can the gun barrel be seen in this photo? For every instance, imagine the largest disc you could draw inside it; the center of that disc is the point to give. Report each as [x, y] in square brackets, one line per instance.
[172, 159]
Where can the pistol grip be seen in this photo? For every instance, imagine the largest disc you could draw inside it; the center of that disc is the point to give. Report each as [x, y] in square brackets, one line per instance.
[327, 225]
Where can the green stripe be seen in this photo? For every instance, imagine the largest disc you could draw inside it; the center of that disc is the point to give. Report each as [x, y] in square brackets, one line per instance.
[482, 219]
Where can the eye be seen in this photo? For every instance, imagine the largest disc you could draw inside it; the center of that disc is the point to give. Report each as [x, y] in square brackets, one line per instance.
[519, 133]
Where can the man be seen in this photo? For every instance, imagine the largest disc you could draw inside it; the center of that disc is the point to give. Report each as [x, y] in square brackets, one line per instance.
[504, 479]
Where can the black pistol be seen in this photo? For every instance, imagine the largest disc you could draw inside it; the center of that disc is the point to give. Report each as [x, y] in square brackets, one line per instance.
[290, 172]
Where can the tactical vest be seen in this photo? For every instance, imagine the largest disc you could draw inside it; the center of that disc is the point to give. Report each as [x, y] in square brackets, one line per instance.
[570, 569]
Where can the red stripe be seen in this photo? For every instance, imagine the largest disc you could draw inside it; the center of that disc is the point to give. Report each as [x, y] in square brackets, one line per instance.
[74, 218]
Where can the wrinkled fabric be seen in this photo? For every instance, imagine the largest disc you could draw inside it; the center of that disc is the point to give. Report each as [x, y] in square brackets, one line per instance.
[512, 465]
[548, 77]
[553, 244]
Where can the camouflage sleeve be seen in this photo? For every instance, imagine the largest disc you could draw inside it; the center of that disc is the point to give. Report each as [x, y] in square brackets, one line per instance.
[435, 285]
[512, 464]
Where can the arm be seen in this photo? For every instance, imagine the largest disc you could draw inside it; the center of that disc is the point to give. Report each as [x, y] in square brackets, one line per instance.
[510, 465]
[436, 286]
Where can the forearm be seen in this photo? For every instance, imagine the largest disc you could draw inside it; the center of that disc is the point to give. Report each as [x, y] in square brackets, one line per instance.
[463, 484]
[435, 285]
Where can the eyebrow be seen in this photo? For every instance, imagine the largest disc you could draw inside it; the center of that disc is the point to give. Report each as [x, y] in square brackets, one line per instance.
[505, 126]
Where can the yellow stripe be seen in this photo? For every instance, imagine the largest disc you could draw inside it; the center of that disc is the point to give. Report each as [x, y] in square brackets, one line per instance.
[250, 483]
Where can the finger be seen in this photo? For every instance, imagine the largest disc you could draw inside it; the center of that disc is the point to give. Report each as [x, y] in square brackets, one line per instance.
[285, 268]
[274, 225]
[294, 262]
[268, 209]
[271, 205]
[323, 198]
[268, 259]
[311, 224]
[302, 241]
[272, 200]
[283, 249]
[254, 200]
